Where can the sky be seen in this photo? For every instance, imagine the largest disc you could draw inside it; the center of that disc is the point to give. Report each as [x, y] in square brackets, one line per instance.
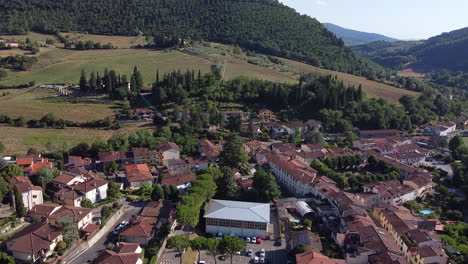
[401, 19]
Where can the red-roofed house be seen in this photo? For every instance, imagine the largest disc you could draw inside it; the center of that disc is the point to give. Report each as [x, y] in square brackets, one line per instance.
[316, 258]
[32, 195]
[137, 175]
[167, 151]
[182, 182]
[31, 164]
[35, 242]
[296, 176]
[40, 212]
[82, 216]
[140, 230]
[122, 253]
[77, 161]
[266, 115]
[209, 150]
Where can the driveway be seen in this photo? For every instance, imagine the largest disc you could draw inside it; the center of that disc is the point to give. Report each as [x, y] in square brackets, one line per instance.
[91, 253]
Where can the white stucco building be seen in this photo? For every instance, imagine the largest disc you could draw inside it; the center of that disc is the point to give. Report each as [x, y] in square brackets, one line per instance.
[32, 195]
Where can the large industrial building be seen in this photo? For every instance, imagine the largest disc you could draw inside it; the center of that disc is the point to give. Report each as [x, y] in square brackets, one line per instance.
[237, 218]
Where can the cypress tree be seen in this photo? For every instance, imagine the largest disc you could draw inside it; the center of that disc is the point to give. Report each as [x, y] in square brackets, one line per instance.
[83, 82]
[19, 205]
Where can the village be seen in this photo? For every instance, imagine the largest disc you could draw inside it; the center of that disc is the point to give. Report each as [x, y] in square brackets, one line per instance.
[337, 205]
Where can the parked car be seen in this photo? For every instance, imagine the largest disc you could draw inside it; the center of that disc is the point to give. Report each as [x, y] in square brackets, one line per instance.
[256, 260]
[254, 240]
[262, 252]
[259, 240]
[220, 235]
[278, 242]
[117, 229]
[247, 239]
[262, 260]
[250, 252]
[201, 262]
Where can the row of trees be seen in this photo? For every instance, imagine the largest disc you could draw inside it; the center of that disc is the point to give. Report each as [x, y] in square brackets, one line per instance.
[50, 121]
[17, 62]
[228, 246]
[320, 97]
[88, 45]
[188, 210]
[112, 83]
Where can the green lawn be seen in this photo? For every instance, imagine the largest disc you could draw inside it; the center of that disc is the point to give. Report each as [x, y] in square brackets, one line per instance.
[64, 66]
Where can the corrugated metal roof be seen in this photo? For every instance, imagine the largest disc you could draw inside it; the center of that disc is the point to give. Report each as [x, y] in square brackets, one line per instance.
[242, 211]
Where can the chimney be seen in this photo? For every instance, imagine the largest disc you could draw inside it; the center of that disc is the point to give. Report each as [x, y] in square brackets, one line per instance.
[48, 237]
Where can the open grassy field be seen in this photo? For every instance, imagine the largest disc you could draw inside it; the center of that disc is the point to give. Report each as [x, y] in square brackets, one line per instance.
[32, 36]
[32, 103]
[64, 66]
[372, 88]
[235, 68]
[17, 140]
[117, 41]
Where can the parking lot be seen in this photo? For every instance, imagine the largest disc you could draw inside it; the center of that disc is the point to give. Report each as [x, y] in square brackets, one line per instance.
[273, 254]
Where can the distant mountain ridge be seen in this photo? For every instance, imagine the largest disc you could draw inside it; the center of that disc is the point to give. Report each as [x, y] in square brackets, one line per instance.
[447, 51]
[354, 37]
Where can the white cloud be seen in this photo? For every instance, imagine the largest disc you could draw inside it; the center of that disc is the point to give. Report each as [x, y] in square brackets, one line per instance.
[321, 3]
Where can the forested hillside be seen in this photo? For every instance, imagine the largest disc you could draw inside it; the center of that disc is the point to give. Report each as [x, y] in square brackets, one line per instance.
[355, 37]
[446, 51]
[264, 26]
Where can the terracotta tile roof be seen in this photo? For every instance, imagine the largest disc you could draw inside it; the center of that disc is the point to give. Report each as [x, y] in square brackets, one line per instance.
[377, 239]
[152, 209]
[177, 180]
[23, 184]
[84, 172]
[79, 160]
[115, 156]
[64, 178]
[43, 210]
[316, 258]
[122, 253]
[420, 180]
[386, 258]
[89, 185]
[89, 228]
[34, 238]
[123, 247]
[322, 180]
[356, 222]
[165, 146]
[208, 149]
[41, 164]
[295, 169]
[67, 193]
[398, 164]
[140, 226]
[24, 161]
[138, 172]
[34, 157]
[390, 188]
[427, 252]
[78, 213]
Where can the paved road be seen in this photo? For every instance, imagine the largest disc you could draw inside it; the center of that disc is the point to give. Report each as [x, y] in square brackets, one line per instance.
[91, 253]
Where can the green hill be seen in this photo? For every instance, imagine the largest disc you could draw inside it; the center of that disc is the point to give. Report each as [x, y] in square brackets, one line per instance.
[447, 51]
[264, 26]
[354, 37]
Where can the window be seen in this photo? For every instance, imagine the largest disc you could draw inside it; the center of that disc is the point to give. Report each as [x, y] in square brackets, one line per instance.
[236, 223]
[34, 196]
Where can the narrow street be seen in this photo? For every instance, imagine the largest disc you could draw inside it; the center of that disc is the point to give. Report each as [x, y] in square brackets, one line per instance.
[91, 253]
